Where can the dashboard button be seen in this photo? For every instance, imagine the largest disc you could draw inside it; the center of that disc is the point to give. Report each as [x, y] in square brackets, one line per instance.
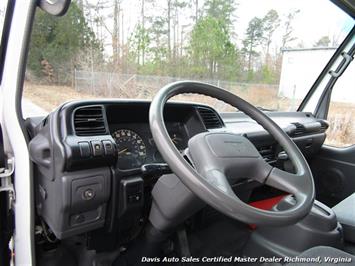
[97, 148]
[108, 147]
[134, 198]
[79, 218]
[84, 149]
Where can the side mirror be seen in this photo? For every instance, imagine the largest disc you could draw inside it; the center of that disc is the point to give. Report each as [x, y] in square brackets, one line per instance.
[54, 7]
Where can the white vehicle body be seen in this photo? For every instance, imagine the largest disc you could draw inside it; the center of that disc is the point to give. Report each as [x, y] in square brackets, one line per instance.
[10, 120]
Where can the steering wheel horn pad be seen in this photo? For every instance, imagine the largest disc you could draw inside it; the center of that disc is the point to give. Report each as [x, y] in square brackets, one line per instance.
[230, 146]
[233, 155]
[218, 157]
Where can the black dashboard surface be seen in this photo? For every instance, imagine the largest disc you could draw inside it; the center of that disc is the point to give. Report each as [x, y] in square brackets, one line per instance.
[126, 124]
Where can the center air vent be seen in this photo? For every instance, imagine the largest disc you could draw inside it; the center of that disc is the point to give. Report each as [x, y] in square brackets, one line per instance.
[210, 118]
[89, 121]
[300, 129]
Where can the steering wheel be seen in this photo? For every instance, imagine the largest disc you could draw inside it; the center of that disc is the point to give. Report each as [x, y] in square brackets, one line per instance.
[218, 156]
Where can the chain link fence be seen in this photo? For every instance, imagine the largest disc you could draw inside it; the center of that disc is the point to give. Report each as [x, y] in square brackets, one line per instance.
[104, 84]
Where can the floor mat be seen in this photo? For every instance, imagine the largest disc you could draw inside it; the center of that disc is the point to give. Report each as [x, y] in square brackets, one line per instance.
[225, 237]
[349, 247]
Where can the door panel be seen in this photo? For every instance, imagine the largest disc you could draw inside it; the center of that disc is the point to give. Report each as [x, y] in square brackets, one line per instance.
[334, 174]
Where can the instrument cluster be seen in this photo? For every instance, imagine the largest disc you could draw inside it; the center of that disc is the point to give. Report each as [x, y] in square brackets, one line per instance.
[135, 144]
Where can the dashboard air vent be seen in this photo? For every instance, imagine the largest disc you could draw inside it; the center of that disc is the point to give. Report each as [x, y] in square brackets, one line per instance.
[300, 129]
[210, 118]
[89, 121]
[323, 125]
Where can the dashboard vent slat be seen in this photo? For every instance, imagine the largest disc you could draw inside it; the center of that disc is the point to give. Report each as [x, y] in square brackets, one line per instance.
[210, 118]
[89, 121]
[324, 125]
[300, 129]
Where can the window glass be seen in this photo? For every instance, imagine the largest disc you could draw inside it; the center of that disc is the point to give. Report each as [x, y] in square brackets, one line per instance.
[268, 52]
[341, 116]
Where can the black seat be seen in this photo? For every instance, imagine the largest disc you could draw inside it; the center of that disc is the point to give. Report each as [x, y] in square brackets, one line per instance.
[345, 213]
[339, 257]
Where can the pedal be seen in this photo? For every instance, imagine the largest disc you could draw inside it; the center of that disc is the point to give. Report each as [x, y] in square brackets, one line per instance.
[183, 244]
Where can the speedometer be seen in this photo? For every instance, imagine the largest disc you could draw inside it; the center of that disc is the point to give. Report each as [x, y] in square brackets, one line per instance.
[132, 151]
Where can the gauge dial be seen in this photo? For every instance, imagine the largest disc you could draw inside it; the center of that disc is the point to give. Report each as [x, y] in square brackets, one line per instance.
[175, 138]
[132, 151]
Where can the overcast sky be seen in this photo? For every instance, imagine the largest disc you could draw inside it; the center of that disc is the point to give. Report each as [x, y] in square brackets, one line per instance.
[316, 19]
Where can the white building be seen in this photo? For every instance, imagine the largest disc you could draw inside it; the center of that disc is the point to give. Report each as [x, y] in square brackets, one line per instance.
[301, 67]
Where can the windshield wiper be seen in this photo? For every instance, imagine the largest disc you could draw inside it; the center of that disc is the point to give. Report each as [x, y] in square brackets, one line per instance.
[261, 109]
[265, 109]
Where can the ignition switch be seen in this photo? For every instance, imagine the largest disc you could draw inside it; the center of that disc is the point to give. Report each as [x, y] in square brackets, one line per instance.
[88, 194]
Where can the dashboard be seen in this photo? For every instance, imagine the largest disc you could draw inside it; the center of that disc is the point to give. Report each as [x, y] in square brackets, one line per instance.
[88, 156]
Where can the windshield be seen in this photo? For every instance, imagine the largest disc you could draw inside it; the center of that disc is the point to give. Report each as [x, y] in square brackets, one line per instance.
[3, 6]
[268, 52]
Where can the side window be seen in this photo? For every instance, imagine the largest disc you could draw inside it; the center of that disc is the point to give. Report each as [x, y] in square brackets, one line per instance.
[3, 5]
[341, 116]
